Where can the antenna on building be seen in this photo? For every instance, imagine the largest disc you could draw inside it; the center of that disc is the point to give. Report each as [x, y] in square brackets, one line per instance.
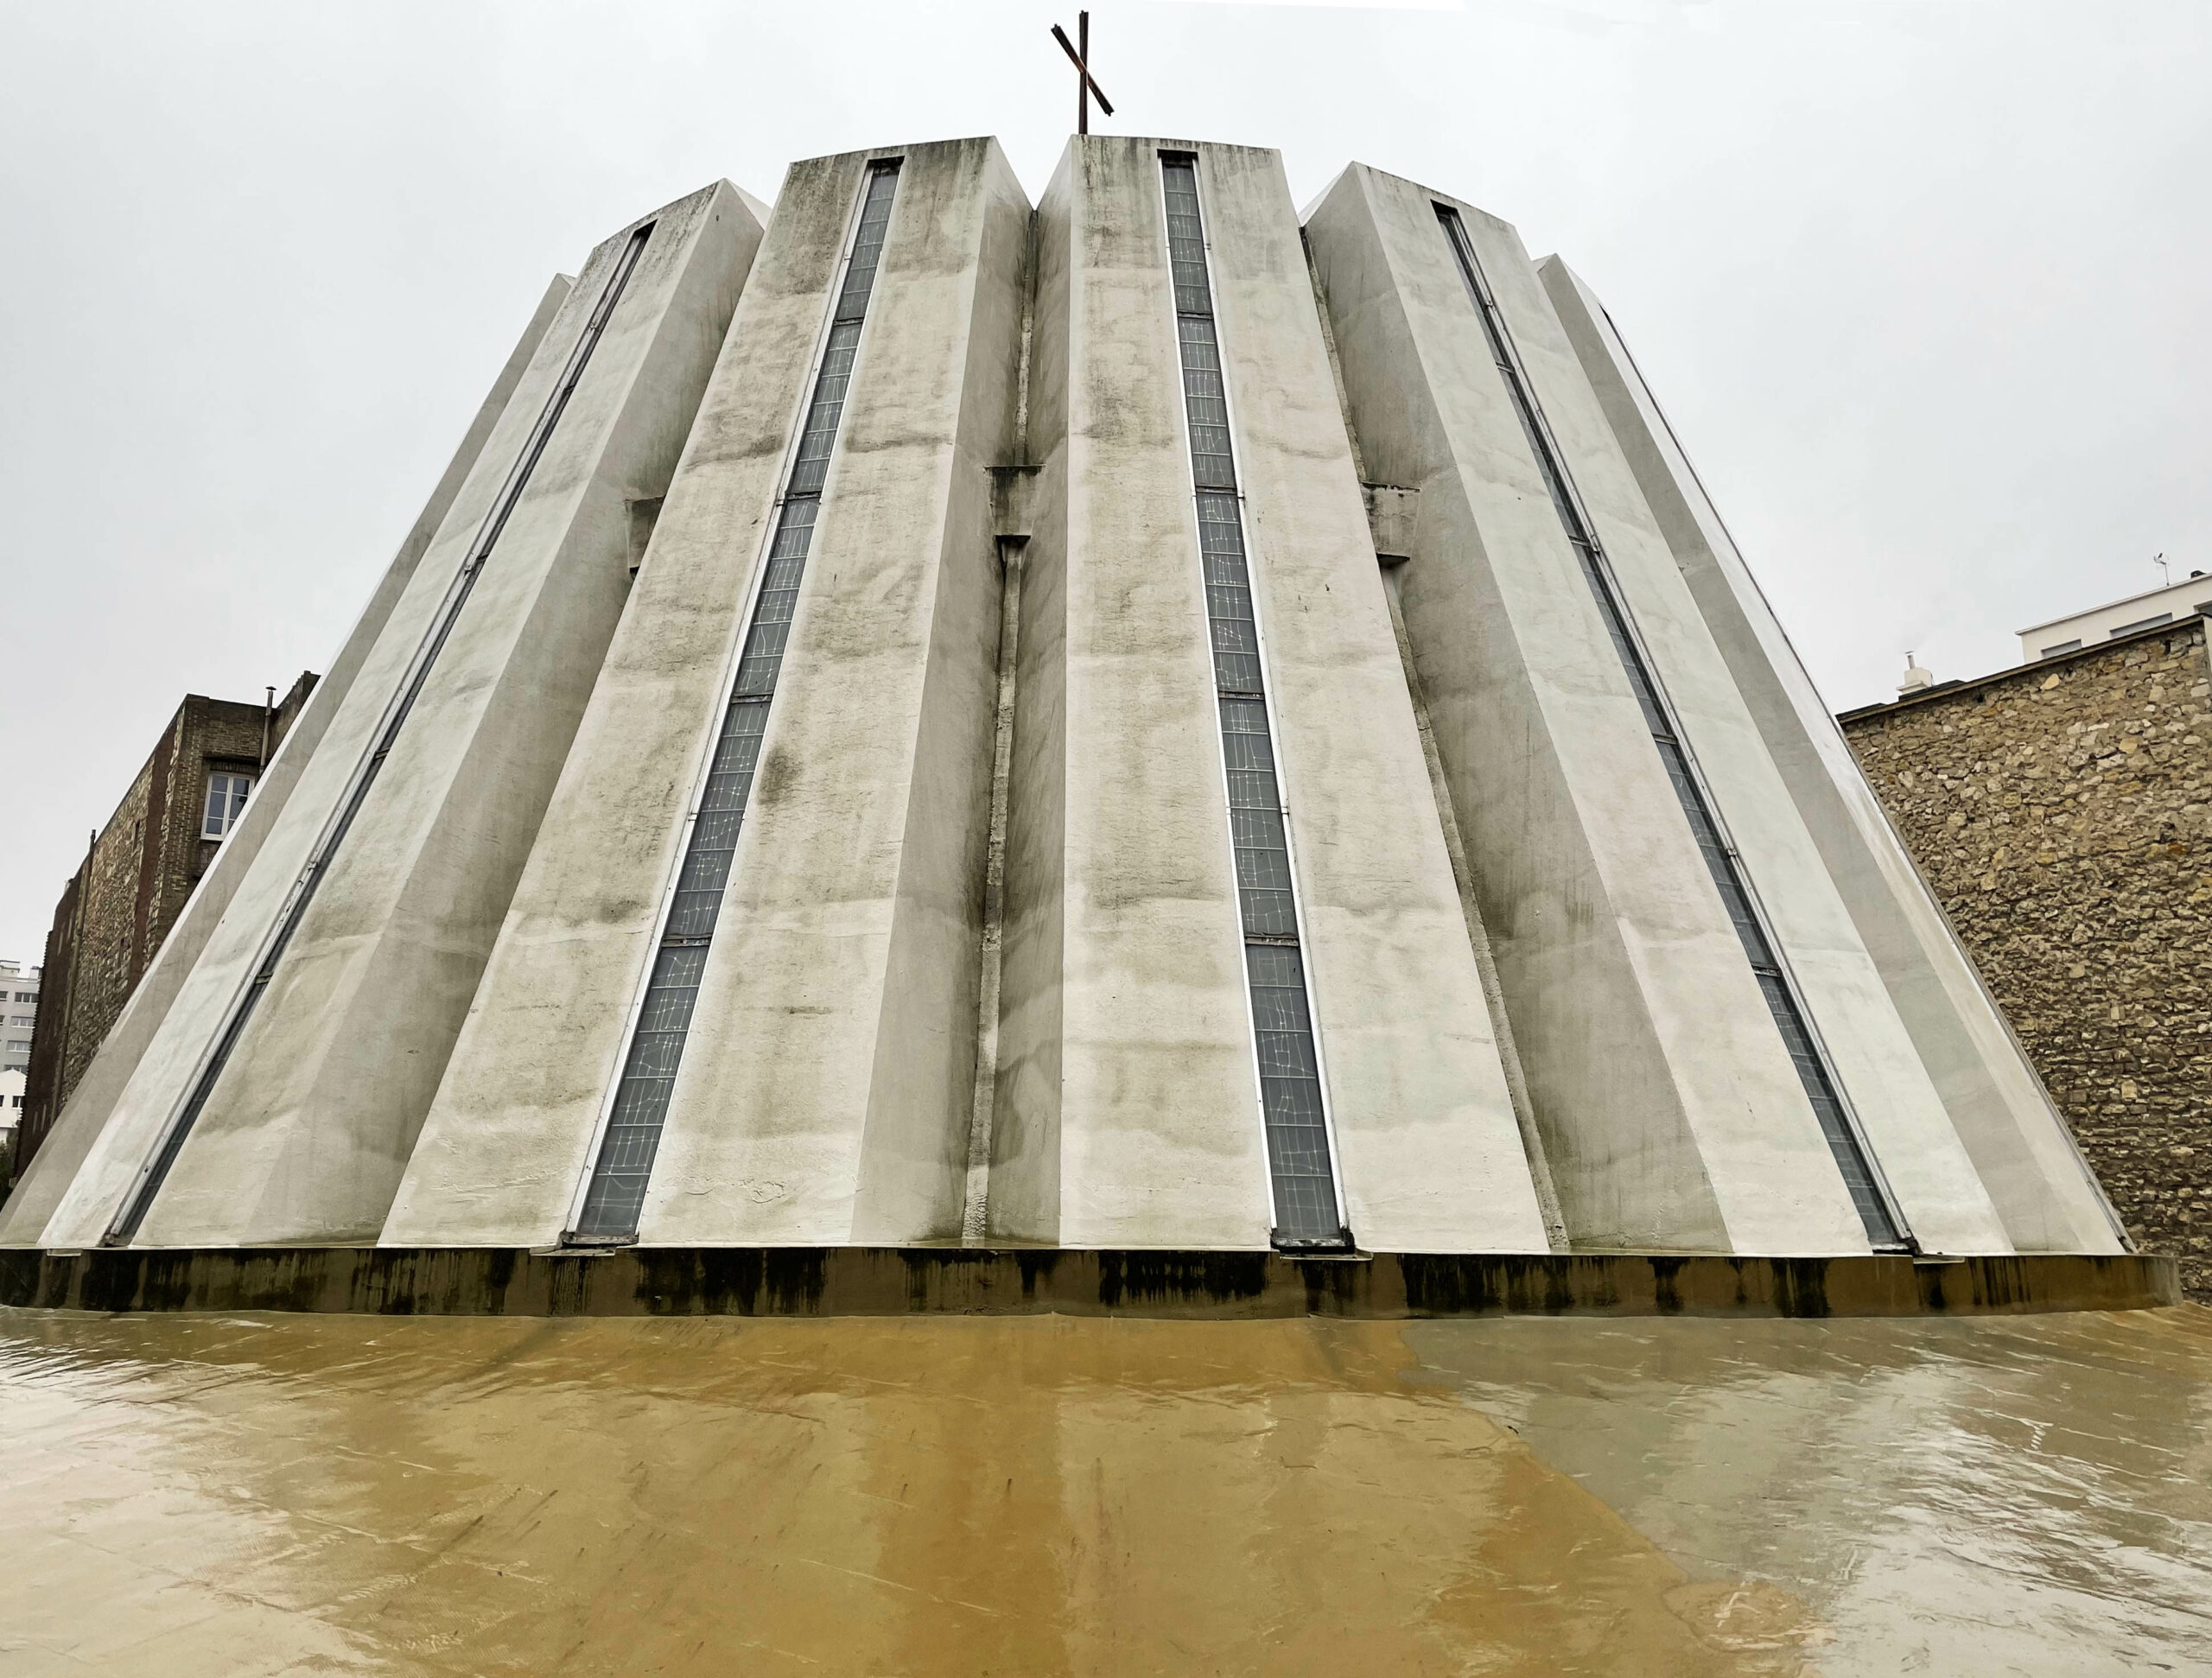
[2159, 560]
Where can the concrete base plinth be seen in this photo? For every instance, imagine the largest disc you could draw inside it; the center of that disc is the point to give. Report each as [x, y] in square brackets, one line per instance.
[879, 1282]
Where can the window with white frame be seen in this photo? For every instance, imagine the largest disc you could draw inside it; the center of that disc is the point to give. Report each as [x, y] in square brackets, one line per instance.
[226, 791]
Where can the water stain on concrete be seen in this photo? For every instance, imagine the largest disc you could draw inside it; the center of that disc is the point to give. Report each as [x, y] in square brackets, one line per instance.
[201, 1495]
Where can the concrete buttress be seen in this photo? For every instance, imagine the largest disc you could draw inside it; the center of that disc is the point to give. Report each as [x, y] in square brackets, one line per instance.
[824, 1089]
[306, 1133]
[93, 1102]
[1128, 1108]
[1672, 1110]
[2018, 1144]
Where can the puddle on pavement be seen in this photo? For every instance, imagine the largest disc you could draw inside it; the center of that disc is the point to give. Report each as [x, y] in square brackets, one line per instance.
[2027, 1495]
[201, 1494]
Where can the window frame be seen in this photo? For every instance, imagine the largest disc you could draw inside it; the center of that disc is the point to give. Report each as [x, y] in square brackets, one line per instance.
[237, 792]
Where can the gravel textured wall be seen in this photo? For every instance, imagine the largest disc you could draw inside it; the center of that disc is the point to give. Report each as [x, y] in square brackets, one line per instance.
[2063, 814]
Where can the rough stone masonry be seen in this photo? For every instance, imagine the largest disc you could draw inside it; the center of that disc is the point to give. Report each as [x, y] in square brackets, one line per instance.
[2062, 813]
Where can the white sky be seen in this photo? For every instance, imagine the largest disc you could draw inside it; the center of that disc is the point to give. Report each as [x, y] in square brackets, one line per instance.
[1924, 287]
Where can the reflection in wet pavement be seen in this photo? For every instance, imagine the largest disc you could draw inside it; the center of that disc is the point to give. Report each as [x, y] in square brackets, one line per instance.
[2009, 1495]
[198, 1494]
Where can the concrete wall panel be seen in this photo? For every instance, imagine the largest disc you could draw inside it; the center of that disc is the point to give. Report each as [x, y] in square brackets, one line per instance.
[829, 1079]
[2026, 1161]
[507, 1142]
[93, 1102]
[1670, 1111]
[914, 1156]
[1159, 1136]
[1159, 1141]
[1871, 1054]
[1430, 1153]
[881, 724]
[1022, 1202]
[311, 1125]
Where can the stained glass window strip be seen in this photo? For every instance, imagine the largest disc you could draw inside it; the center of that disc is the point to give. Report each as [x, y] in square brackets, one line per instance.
[615, 1197]
[1301, 1173]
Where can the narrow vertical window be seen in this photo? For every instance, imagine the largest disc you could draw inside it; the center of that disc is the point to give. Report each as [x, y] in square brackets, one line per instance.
[155, 1170]
[1302, 1174]
[615, 1195]
[1884, 1229]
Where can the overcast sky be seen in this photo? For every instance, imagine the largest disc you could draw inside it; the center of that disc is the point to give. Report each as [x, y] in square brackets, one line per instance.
[1923, 286]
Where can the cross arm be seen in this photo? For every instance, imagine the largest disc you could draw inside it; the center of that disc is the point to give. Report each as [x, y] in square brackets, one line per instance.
[1076, 58]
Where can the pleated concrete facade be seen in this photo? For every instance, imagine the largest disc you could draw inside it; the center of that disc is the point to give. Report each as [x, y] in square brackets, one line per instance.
[24, 1218]
[2020, 1147]
[311, 1124]
[1669, 1104]
[1128, 1111]
[827, 1083]
[980, 967]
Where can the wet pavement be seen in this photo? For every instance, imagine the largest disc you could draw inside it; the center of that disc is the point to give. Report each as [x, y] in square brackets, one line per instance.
[189, 1495]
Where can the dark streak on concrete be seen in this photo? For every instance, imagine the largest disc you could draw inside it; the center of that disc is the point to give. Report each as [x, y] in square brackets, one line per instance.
[883, 1281]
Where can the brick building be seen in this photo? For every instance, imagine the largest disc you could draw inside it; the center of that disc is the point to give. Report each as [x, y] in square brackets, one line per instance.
[2063, 812]
[137, 872]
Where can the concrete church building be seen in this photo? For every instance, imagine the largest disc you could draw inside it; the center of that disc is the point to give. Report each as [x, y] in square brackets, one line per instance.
[1136, 723]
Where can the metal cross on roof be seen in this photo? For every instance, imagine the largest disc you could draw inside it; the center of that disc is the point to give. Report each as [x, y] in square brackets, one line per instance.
[1085, 86]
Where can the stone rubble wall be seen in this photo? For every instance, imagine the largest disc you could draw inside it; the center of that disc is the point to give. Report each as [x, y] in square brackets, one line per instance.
[2063, 813]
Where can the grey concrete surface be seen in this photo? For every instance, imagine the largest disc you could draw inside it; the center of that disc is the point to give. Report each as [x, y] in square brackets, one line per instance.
[827, 1080]
[935, 1279]
[1021, 1190]
[2027, 1161]
[92, 1102]
[1127, 1107]
[1899, 1110]
[1535, 1024]
[1431, 1155]
[507, 1140]
[1669, 1110]
[830, 1076]
[311, 1124]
